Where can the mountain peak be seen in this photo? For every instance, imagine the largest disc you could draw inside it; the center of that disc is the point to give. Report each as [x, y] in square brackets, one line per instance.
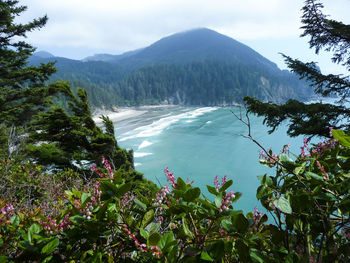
[193, 45]
[43, 54]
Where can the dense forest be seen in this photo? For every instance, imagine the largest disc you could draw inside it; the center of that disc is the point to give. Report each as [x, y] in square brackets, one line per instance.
[197, 67]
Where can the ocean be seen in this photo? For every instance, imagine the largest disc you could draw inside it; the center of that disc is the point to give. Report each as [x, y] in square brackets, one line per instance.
[198, 143]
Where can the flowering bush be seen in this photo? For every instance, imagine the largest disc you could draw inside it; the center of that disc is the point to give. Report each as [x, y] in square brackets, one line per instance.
[118, 220]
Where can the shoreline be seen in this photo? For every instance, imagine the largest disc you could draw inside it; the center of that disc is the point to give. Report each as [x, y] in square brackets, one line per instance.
[124, 113]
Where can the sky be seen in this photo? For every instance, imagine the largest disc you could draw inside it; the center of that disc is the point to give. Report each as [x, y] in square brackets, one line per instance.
[81, 28]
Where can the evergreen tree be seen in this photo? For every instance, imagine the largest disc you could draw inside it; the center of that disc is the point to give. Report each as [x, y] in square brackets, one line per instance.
[22, 89]
[53, 134]
[316, 118]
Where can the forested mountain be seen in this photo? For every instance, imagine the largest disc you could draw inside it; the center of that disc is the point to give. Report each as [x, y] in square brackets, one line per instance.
[196, 67]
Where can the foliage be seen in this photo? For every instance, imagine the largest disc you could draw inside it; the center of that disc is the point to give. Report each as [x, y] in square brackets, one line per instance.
[114, 219]
[207, 79]
[332, 36]
[31, 127]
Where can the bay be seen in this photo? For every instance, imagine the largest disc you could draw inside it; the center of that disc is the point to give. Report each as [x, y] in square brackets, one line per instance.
[198, 144]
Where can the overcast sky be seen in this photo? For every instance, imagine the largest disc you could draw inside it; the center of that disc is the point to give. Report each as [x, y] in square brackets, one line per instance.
[79, 28]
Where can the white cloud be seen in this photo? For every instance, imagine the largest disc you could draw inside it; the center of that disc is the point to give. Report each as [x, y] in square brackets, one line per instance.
[121, 25]
[115, 26]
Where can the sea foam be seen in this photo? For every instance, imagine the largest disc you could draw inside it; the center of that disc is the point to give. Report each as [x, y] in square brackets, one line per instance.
[144, 144]
[158, 126]
[138, 154]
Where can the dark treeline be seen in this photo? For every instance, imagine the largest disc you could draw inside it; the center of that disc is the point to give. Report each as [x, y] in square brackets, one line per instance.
[196, 83]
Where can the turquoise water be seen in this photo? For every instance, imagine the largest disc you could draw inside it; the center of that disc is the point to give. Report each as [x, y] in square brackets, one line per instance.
[199, 143]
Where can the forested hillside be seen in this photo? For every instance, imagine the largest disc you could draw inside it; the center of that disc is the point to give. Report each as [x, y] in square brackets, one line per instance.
[197, 67]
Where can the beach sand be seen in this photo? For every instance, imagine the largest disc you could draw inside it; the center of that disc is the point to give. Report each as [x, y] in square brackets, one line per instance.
[125, 113]
[122, 114]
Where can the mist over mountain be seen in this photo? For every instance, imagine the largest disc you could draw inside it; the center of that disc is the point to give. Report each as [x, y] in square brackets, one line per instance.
[195, 67]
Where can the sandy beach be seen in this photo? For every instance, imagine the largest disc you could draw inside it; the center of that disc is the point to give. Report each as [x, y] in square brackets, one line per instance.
[124, 113]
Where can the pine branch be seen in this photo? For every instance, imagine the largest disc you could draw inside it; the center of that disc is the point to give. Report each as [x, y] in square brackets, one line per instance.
[323, 84]
[325, 33]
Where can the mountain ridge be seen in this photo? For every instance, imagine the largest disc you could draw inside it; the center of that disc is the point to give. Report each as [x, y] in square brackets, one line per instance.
[194, 67]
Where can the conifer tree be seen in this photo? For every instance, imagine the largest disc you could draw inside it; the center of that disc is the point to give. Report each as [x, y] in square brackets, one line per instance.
[55, 136]
[316, 118]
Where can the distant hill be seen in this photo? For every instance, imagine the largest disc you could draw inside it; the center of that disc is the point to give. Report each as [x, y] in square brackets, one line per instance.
[43, 54]
[193, 46]
[195, 67]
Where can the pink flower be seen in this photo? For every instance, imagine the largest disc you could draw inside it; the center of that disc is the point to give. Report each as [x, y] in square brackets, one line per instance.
[170, 177]
[257, 215]
[7, 210]
[326, 176]
[227, 201]
[216, 183]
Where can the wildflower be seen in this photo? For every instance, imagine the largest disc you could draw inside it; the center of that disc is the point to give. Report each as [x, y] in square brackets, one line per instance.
[326, 176]
[270, 159]
[227, 200]
[7, 210]
[189, 182]
[108, 167]
[155, 251]
[217, 184]
[285, 148]
[257, 215]
[50, 225]
[170, 177]
[142, 247]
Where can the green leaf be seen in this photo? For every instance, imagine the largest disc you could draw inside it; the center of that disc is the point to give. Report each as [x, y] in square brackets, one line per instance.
[185, 232]
[143, 233]
[283, 205]
[238, 196]
[69, 193]
[34, 228]
[154, 238]
[342, 137]
[15, 220]
[217, 250]
[218, 200]
[77, 219]
[181, 185]
[108, 189]
[140, 204]
[212, 190]
[326, 197]
[226, 185]
[240, 222]
[112, 207]
[255, 255]
[205, 256]
[192, 194]
[266, 180]
[243, 251]
[167, 240]
[300, 169]
[50, 247]
[285, 159]
[314, 176]
[147, 218]
[84, 197]
[47, 259]
[227, 225]
[124, 189]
